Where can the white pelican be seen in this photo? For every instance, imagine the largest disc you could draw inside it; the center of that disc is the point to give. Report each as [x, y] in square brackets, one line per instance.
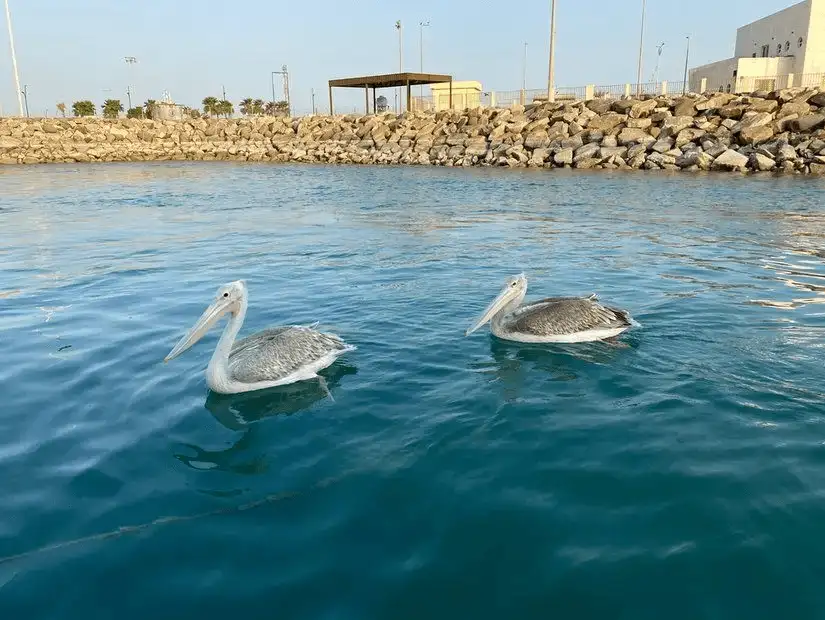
[272, 357]
[555, 319]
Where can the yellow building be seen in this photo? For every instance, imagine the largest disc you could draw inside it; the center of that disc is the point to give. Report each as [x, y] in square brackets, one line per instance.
[778, 51]
[466, 94]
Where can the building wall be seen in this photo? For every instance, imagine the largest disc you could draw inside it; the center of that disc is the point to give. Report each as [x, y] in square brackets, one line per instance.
[780, 32]
[718, 74]
[466, 94]
[814, 57]
[747, 73]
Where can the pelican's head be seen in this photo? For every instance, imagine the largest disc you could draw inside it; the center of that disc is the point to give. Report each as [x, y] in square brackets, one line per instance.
[229, 299]
[512, 293]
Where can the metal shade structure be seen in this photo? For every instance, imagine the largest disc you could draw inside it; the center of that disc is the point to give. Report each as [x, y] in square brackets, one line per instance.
[389, 80]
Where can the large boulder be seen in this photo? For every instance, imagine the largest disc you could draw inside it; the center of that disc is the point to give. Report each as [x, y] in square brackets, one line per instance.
[730, 160]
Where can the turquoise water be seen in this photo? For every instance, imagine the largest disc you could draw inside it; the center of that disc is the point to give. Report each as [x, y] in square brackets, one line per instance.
[678, 474]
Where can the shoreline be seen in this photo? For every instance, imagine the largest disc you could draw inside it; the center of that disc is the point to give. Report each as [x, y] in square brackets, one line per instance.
[779, 132]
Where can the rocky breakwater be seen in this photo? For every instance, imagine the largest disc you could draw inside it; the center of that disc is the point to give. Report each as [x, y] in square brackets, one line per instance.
[782, 131]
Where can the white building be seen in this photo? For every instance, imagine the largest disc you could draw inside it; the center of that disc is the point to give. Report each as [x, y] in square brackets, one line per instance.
[779, 51]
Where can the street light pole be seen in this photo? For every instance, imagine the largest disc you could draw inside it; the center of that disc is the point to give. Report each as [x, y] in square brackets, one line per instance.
[130, 60]
[26, 98]
[422, 25]
[524, 74]
[400, 30]
[14, 61]
[687, 55]
[641, 43]
[551, 89]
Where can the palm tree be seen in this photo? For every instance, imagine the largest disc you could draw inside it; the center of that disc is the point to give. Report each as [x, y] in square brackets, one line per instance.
[112, 108]
[246, 106]
[61, 107]
[83, 108]
[258, 107]
[149, 108]
[226, 108]
[210, 106]
[135, 113]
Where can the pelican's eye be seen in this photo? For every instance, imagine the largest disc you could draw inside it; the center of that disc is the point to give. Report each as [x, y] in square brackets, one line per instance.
[226, 294]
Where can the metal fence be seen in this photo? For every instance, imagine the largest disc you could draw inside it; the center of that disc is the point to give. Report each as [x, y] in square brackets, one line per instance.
[507, 98]
[750, 84]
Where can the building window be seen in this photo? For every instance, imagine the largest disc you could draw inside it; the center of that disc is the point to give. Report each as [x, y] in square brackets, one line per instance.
[799, 42]
[728, 89]
[787, 46]
[779, 49]
[754, 55]
[765, 51]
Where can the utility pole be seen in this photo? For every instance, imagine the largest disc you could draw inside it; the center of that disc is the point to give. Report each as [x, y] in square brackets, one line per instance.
[26, 98]
[130, 60]
[14, 61]
[551, 89]
[687, 55]
[313, 102]
[284, 74]
[286, 91]
[223, 88]
[422, 25]
[524, 74]
[641, 43]
[400, 30]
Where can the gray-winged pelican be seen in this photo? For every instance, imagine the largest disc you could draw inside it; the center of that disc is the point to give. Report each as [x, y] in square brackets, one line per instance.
[272, 357]
[554, 319]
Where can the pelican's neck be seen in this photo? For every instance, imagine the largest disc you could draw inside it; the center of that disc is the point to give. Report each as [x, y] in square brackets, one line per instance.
[511, 306]
[217, 373]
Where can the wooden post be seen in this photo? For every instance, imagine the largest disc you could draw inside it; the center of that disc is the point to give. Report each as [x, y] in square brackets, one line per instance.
[374, 102]
[451, 94]
[408, 95]
[366, 98]
[331, 111]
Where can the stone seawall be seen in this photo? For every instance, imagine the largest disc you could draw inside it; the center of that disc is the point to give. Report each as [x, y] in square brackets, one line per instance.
[782, 131]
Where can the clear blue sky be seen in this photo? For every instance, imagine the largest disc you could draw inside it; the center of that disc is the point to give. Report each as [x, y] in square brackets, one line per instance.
[74, 49]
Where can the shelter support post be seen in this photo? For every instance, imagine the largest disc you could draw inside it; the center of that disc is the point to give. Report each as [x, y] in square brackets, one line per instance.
[408, 96]
[331, 111]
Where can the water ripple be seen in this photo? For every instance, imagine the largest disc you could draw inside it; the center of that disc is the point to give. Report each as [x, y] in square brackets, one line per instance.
[677, 471]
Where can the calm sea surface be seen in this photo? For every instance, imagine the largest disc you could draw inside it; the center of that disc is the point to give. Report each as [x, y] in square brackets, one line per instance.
[678, 474]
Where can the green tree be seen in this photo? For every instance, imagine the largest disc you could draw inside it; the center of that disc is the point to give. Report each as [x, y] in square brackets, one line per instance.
[61, 107]
[246, 106]
[276, 108]
[135, 113]
[258, 107]
[226, 108]
[210, 106]
[191, 112]
[112, 108]
[83, 108]
[149, 108]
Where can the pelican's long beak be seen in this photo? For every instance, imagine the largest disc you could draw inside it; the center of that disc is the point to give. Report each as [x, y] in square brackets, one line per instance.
[207, 320]
[504, 297]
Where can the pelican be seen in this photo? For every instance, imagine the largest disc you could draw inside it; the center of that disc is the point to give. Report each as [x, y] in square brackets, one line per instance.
[555, 319]
[268, 358]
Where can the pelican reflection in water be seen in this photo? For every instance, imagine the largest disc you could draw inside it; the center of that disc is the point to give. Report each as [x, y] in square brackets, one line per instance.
[269, 358]
[554, 319]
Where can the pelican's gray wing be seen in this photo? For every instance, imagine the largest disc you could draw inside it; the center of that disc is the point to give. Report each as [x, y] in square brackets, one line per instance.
[556, 316]
[274, 353]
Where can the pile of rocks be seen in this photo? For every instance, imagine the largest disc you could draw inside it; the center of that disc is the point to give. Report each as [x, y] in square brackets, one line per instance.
[778, 131]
